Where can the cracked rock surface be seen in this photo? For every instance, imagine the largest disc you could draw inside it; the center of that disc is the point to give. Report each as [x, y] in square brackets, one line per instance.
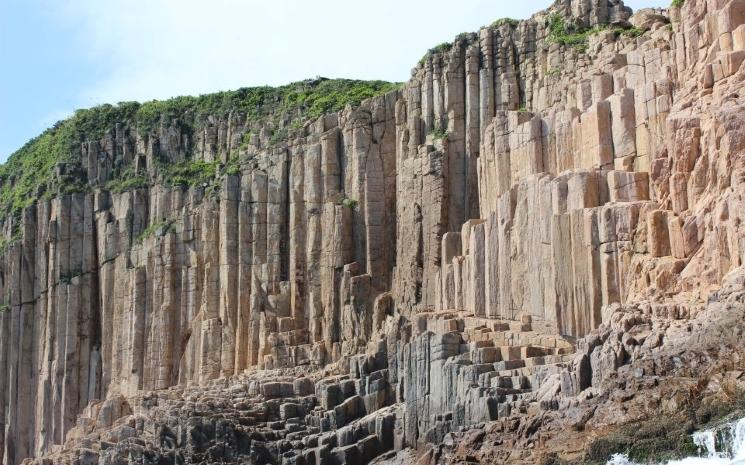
[526, 245]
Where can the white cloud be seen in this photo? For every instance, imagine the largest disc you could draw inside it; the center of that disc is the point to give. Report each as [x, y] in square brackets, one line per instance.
[160, 48]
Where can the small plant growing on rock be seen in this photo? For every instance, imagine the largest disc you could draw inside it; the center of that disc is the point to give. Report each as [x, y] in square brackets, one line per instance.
[350, 204]
[245, 141]
[190, 173]
[233, 166]
[15, 237]
[278, 136]
[628, 31]
[677, 3]
[553, 71]
[568, 33]
[441, 48]
[127, 181]
[159, 228]
[347, 202]
[439, 133]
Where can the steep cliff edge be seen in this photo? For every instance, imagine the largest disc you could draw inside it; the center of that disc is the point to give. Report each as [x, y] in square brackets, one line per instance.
[249, 277]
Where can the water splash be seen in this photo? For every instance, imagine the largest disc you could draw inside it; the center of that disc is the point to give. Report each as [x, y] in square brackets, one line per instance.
[724, 445]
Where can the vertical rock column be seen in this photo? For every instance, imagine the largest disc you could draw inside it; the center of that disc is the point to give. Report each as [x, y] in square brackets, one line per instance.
[245, 346]
[459, 166]
[313, 196]
[230, 196]
[472, 129]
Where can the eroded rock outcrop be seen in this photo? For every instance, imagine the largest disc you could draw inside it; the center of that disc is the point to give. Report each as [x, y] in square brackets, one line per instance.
[427, 261]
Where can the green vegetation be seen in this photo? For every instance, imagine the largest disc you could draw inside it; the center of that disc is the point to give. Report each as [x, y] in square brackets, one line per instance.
[522, 109]
[677, 3]
[51, 164]
[278, 135]
[440, 48]
[439, 133]
[314, 98]
[4, 244]
[629, 32]
[4, 308]
[305, 99]
[245, 140]
[29, 171]
[447, 46]
[571, 35]
[127, 180]
[568, 33]
[189, 173]
[233, 166]
[553, 71]
[161, 228]
[349, 203]
[502, 21]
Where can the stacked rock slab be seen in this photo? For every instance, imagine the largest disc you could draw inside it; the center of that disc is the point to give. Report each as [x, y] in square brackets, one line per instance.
[481, 372]
[460, 232]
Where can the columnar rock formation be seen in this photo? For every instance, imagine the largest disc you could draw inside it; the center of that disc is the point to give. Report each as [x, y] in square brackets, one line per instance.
[463, 231]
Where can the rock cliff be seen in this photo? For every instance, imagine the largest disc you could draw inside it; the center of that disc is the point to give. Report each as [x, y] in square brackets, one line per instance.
[271, 279]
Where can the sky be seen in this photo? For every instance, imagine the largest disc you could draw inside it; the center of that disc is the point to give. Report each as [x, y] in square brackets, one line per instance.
[60, 55]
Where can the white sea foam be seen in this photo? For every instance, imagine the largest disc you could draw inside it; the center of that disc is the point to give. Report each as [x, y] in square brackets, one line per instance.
[721, 446]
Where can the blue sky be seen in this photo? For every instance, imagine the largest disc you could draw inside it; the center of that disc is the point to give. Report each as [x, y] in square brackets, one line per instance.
[59, 55]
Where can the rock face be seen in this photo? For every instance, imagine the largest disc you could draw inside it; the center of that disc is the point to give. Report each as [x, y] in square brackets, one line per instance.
[427, 261]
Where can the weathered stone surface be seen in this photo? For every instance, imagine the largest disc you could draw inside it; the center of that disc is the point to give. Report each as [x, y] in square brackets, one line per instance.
[393, 272]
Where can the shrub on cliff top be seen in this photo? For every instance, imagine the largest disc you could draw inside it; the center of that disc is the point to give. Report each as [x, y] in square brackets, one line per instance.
[437, 49]
[502, 21]
[320, 96]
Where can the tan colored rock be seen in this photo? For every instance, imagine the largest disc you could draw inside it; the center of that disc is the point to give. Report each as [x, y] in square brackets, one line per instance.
[419, 267]
[628, 186]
